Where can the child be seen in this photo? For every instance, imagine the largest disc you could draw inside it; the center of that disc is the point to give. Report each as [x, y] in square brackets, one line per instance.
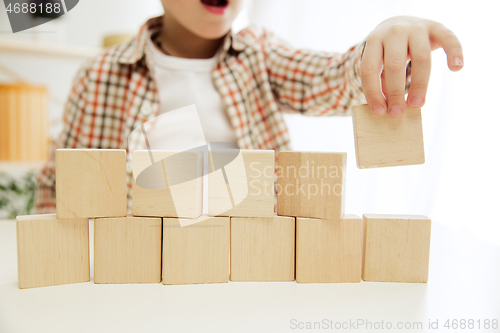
[240, 82]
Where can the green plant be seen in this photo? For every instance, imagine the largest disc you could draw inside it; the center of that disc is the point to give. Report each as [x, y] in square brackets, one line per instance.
[17, 195]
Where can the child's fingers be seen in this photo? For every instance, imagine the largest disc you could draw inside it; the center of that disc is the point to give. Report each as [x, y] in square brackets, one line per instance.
[446, 39]
[382, 79]
[420, 54]
[395, 55]
[370, 76]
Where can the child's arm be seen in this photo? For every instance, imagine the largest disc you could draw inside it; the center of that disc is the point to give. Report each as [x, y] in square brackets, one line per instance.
[321, 83]
[45, 193]
[311, 82]
[389, 47]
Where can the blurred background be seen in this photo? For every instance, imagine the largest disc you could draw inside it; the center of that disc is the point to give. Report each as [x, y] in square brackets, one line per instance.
[459, 183]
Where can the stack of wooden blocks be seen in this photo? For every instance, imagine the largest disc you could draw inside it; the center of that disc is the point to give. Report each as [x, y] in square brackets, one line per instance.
[309, 240]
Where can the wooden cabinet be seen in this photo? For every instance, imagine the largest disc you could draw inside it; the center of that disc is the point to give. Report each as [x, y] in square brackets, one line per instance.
[23, 122]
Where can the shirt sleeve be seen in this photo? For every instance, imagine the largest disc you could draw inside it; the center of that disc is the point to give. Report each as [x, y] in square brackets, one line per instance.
[313, 82]
[310, 82]
[45, 190]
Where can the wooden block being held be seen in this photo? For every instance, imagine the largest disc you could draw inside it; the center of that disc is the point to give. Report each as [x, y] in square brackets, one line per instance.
[311, 184]
[241, 183]
[169, 186]
[383, 141]
[91, 183]
[198, 253]
[329, 250]
[262, 248]
[396, 248]
[52, 251]
[127, 250]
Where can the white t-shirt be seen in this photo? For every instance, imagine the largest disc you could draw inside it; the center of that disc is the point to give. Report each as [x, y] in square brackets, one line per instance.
[182, 82]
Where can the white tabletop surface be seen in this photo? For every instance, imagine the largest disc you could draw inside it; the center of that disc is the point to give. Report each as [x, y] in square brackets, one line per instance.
[464, 283]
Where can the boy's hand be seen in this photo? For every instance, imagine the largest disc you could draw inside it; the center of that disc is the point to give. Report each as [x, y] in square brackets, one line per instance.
[389, 47]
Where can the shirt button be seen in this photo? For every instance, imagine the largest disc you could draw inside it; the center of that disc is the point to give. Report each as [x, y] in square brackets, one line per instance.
[146, 109]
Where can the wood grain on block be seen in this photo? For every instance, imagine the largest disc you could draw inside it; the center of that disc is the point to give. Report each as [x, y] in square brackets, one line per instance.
[311, 184]
[329, 250]
[172, 186]
[52, 251]
[396, 248]
[127, 250]
[198, 253]
[241, 183]
[383, 141]
[262, 248]
[91, 183]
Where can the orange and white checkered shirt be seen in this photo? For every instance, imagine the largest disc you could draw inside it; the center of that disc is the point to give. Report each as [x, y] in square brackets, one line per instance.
[258, 76]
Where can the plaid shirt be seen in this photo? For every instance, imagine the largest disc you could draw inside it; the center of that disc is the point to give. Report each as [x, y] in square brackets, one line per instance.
[258, 76]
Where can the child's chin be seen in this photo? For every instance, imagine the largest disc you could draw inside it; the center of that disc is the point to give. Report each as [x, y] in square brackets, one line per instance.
[213, 33]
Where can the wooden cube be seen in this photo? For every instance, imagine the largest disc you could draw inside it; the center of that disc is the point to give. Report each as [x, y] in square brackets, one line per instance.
[396, 248]
[329, 250]
[383, 141]
[241, 183]
[171, 186]
[52, 251]
[91, 183]
[198, 253]
[311, 184]
[127, 250]
[262, 248]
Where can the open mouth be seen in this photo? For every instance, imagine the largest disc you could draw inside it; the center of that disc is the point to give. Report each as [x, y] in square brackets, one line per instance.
[215, 3]
[215, 6]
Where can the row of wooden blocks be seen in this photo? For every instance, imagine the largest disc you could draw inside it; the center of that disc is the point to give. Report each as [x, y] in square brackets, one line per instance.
[384, 248]
[91, 183]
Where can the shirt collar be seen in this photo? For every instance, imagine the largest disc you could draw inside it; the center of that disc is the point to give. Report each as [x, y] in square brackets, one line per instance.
[133, 51]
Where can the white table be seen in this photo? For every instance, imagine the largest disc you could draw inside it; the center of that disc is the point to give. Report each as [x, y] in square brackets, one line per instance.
[464, 283]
